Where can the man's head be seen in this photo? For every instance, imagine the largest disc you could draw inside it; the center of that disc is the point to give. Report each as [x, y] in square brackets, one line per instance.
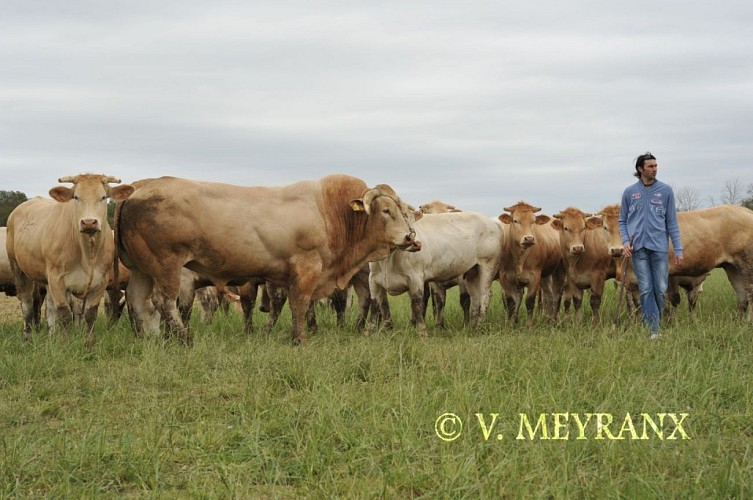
[644, 162]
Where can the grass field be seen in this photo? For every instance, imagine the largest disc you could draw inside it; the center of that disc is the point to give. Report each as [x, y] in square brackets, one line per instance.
[241, 416]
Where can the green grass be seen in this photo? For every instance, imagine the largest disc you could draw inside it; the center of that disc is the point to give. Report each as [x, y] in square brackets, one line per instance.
[251, 416]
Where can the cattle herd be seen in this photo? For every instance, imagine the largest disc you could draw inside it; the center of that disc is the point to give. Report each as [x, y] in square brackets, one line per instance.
[313, 239]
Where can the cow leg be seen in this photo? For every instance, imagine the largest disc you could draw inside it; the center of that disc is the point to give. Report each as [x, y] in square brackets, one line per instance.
[25, 291]
[531, 304]
[576, 294]
[672, 299]
[141, 309]
[50, 316]
[311, 318]
[512, 297]
[439, 301]
[186, 296]
[567, 299]
[465, 302]
[209, 301]
[299, 299]
[165, 297]
[113, 307]
[58, 297]
[248, 294]
[380, 303]
[747, 277]
[417, 308]
[478, 284]
[38, 296]
[597, 291]
[277, 296]
[595, 301]
[265, 303]
[90, 316]
[364, 303]
[429, 295]
[738, 284]
[339, 300]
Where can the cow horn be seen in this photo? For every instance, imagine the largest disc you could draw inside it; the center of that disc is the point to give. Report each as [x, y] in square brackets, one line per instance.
[368, 197]
[70, 178]
[557, 216]
[386, 190]
[110, 180]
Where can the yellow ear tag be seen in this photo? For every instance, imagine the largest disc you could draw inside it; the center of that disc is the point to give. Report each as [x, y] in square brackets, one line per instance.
[357, 206]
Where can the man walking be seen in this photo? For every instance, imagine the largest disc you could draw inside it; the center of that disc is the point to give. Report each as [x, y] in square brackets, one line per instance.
[648, 218]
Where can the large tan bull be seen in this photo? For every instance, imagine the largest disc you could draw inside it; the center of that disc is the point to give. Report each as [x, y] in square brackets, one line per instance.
[64, 245]
[311, 236]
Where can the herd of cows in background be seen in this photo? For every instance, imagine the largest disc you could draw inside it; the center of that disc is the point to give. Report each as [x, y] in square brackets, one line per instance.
[313, 239]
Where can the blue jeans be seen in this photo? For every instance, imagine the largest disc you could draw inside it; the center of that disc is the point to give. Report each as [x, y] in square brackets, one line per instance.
[652, 271]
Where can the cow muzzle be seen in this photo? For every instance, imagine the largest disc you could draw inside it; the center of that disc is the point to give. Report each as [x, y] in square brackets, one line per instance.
[410, 243]
[89, 226]
[527, 241]
[615, 252]
[577, 249]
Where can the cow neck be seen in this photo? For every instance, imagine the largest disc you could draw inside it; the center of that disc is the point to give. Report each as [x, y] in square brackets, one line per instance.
[522, 256]
[572, 263]
[91, 247]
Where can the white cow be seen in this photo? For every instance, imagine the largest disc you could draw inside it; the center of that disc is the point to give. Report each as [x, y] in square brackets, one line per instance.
[464, 244]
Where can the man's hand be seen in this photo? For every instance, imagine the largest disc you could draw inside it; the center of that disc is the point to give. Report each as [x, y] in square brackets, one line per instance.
[679, 260]
[627, 249]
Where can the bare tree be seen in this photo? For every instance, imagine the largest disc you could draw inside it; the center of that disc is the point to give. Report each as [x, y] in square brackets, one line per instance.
[732, 193]
[748, 202]
[687, 199]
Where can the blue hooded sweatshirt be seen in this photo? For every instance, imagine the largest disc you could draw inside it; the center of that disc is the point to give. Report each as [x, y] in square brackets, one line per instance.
[647, 215]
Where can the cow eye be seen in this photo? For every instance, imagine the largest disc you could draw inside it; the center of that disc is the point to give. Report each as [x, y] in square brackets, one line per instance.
[386, 210]
[75, 197]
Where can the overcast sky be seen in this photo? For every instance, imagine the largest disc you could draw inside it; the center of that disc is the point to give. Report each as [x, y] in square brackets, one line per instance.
[477, 103]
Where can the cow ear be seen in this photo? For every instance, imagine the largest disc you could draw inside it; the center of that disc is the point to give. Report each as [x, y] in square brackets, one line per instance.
[505, 218]
[61, 193]
[417, 215]
[542, 219]
[359, 206]
[120, 193]
[557, 224]
[593, 223]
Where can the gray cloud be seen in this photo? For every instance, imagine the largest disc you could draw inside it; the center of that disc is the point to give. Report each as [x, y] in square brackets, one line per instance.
[479, 104]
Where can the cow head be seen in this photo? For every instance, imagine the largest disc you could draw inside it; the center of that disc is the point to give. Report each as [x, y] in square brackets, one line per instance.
[89, 195]
[394, 216]
[437, 207]
[522, 219]
[572, 225]
[609, 220]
